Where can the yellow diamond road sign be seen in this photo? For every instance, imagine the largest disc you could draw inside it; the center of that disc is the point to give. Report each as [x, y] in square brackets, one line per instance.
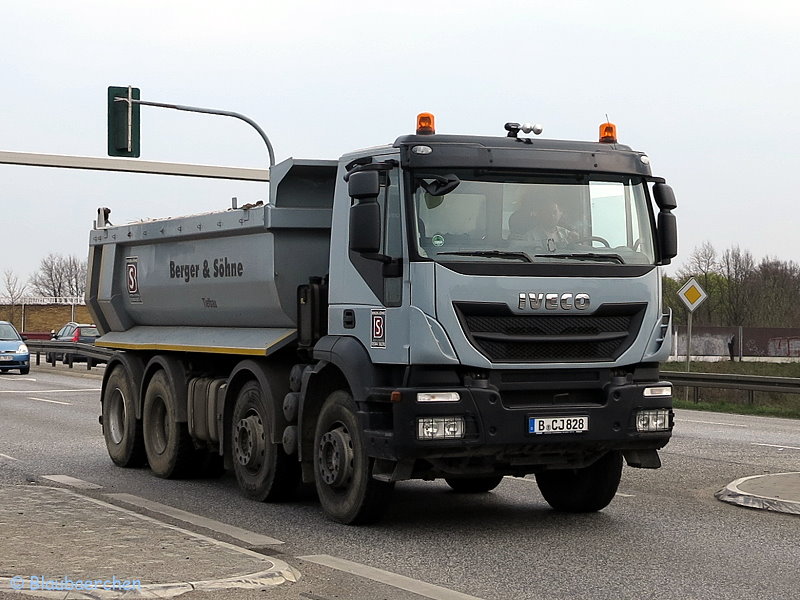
[692, 294]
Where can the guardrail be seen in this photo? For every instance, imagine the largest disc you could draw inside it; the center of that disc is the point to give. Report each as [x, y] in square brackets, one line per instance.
[71, 351]
[751, 383]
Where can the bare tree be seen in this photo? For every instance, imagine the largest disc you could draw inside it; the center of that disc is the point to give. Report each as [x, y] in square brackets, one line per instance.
[14, 291]
[60, 276]
[777, 284]
[738, 269]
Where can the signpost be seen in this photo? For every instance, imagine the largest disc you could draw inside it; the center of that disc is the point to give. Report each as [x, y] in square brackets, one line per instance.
[693, 296]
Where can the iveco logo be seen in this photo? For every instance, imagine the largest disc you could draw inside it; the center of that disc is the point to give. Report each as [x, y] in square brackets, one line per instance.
[536, 301]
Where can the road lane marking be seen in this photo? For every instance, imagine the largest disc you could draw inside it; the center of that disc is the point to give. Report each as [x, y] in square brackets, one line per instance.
[777, 446]
[49, 391]
[73, 482]
[8, 457]
[415, 586]
[250, 538]
[50, 401]
[711, 423]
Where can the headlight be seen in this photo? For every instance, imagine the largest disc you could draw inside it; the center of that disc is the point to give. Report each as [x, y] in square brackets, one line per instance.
[440, 428]
[652, 420]
[23, 349]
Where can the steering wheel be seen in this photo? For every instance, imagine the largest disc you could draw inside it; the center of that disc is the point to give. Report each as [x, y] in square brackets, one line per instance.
[593, 238]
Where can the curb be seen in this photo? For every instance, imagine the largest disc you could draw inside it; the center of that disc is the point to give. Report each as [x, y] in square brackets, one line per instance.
[733, 494]
[269, 572]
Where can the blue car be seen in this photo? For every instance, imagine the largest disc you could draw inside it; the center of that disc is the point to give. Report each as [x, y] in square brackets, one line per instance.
[13, 351]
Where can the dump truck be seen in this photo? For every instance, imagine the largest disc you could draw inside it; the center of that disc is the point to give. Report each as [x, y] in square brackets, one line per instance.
[454, 307]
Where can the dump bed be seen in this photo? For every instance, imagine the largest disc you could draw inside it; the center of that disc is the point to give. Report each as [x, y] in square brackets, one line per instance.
[215, 282]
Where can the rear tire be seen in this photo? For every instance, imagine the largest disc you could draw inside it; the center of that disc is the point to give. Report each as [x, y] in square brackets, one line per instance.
[582, 490]
[343, 471]
[121, 429]
[263, 470]
[474, 485]
[170, 450]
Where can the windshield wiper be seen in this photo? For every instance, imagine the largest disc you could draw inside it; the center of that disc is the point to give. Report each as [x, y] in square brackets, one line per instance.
[491, 254]
[593, 256]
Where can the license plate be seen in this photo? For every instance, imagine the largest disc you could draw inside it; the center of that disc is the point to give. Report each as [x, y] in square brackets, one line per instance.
[6, 357]
[546, 425]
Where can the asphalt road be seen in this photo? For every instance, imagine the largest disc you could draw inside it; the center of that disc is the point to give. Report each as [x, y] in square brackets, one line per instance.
[664, 536]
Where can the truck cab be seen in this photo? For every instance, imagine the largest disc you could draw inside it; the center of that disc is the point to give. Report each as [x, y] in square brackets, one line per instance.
[495, 306]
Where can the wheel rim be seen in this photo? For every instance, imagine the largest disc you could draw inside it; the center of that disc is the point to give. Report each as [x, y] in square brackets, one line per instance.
[116, 416]
[249, 442]
[160, 425]
[335, 457]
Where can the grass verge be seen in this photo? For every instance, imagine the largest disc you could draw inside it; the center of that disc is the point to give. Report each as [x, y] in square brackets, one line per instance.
[765, 404]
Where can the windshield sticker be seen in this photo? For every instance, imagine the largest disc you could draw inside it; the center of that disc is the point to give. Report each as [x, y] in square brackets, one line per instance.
[438, 240]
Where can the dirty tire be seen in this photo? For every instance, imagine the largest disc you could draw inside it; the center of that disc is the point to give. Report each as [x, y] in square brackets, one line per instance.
[169, 448]
[263, 470]
[474, 485]
[121, 429]
[582, 490]
[342, 470]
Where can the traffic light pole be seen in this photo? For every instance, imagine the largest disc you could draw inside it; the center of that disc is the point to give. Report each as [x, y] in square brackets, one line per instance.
[208, 111]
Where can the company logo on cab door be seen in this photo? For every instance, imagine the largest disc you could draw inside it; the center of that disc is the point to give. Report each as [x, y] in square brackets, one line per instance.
[538, 301]
[378, 328]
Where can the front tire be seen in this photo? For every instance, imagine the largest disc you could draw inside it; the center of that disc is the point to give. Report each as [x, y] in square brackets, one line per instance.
[169, 448]
[343, 471]
[263, 470]
[582, 490]
[121, 429]
[474, 485]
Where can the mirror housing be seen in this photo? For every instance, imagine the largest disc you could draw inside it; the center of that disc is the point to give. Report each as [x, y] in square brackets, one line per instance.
[664, 196]
[363, 185]
[365, 225]
[667, 237]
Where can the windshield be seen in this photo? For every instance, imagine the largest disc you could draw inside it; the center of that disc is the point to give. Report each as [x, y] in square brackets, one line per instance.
[7, 332]
[542, 218]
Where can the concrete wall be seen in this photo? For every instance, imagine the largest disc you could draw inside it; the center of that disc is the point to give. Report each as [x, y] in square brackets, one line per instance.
[42, 318]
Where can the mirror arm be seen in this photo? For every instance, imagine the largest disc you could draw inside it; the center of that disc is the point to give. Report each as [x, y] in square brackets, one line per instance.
[392, 267]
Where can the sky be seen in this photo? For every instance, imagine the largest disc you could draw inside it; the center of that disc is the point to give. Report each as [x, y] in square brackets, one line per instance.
[709, 90]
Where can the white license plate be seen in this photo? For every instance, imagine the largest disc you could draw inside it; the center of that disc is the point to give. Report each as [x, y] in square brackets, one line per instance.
[6, 357]
[546, 425]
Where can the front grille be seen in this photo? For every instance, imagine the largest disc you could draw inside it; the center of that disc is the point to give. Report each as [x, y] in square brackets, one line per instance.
[504, 336]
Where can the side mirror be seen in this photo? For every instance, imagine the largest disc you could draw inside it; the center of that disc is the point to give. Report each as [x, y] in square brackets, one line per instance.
[363, 185]
[667, 225]
[365, 225]
[667, 237]
[665, 197]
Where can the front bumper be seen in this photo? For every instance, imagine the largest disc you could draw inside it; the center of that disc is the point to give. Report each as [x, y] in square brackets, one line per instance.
[14, 361]
[496, 429]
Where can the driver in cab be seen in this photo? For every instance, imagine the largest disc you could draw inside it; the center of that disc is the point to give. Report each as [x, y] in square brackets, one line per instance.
[539, 224]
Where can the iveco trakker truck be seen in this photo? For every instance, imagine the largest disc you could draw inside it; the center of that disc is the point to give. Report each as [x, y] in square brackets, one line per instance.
[445, 306]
